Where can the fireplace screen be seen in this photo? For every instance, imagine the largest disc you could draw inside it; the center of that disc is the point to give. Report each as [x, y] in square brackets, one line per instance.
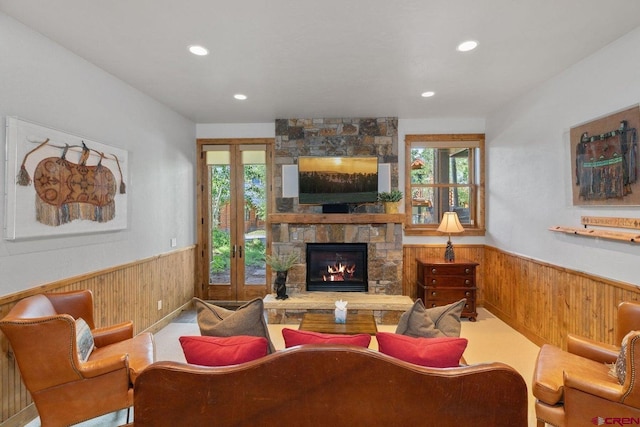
[337, 267]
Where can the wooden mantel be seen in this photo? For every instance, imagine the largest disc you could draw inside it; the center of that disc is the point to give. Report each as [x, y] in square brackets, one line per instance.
[354, 218]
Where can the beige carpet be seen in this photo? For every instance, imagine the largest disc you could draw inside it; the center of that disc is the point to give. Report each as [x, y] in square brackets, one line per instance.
[490, 340]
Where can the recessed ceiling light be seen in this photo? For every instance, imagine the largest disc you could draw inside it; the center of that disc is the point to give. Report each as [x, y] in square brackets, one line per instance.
[240, 96]
[467, 46]
[198, 50]
[428, 94]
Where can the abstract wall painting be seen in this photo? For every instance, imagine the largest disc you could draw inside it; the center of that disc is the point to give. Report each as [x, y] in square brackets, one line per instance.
[61, 184]
[604, 160]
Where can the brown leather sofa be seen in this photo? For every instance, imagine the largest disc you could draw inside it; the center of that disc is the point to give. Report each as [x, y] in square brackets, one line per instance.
[577, 387]
[41, 330]
[323, 385]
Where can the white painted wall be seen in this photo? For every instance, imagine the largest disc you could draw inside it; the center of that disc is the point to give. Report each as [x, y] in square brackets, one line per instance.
[42, 82]
[236, 130]
[529, 171]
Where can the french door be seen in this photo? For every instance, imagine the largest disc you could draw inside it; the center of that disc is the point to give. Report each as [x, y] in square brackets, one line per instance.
[234, 182]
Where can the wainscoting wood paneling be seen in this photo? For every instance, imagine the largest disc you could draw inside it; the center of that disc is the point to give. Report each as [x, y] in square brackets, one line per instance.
[546, 302]
[122, 293]
[542, 301]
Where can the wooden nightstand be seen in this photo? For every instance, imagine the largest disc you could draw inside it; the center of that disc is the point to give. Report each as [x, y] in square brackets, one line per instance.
[441, 283]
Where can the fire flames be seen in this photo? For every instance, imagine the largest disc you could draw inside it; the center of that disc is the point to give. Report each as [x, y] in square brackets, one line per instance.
[339, 272]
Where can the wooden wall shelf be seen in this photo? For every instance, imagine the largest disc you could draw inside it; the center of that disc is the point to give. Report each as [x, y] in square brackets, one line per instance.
[623, 236]
[604, 234]
[355, 218]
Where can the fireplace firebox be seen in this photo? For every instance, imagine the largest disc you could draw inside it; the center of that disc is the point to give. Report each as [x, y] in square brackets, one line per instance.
[338, 267]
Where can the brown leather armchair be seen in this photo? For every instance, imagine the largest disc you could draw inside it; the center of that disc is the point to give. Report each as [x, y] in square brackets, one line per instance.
[576, 387]
[42, 332]
[628, 319]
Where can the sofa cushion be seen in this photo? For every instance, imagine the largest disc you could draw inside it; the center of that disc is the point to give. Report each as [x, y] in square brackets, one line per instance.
[420, 322]
[84, 339]
[217, 351]
[293, 337]
[441, 352]
[246, 320]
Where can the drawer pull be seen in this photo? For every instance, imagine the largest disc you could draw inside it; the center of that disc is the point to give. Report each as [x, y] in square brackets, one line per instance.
[466, 270]
[434, 293]
[467, 293]
[466, 282]
[433, 305]
[433, 281]
[433, 270]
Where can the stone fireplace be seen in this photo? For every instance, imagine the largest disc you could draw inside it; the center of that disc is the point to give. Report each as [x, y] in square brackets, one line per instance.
[293, 233]
[295, 226]
[338, 267]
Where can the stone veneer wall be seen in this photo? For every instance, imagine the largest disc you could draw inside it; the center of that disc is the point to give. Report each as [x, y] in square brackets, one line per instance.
[338, 137]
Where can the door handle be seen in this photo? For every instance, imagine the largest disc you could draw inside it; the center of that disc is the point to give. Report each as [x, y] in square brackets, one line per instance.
[239, 251]
[233, 252]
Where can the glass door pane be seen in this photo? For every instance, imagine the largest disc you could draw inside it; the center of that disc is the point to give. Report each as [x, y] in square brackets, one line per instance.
[220, 216]
[255, 208]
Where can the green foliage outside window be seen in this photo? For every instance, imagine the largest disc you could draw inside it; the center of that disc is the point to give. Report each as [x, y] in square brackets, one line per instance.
[255, 200]
[220, 260]
[439, 180]
[221, 244]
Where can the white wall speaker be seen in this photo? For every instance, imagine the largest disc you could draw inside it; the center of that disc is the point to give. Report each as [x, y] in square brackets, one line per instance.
[384, 177]
[289, 180]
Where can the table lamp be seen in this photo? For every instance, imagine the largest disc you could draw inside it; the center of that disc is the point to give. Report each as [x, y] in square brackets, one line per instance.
[450, 224]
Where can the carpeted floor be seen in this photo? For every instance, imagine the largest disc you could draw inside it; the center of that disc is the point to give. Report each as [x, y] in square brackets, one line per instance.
[490, 340]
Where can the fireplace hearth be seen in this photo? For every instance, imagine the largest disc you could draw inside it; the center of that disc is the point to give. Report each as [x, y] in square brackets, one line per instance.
[340, 267]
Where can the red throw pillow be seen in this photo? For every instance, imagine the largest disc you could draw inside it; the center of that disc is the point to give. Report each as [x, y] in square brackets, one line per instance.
[293, 337]
[441, 352]
[222, 351]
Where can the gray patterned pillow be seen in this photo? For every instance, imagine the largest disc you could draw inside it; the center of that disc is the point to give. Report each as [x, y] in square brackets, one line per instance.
[84, 339]
[442, 321]
[248, 319]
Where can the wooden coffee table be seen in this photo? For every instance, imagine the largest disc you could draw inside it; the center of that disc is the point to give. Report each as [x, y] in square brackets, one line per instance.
[325, 323]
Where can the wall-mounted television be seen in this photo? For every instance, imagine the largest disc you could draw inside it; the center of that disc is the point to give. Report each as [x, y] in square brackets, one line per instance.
[335, 180]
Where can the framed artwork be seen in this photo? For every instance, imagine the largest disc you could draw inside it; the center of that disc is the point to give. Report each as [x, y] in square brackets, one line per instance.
[604, 160]
[61, 184]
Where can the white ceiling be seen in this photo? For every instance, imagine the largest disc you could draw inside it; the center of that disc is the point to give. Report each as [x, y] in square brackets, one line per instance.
[330, 58]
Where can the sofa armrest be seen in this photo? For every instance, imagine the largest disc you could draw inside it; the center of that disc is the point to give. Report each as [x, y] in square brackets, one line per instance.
[602, 384]
[594, 350]
[112, 334]
[605, 388]
[94, 368]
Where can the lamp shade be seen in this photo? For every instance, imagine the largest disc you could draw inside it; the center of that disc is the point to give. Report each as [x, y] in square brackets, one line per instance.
[450, 223]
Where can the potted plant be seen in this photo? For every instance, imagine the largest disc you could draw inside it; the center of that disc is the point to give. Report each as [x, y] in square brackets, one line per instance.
[390, 200]
[281, 265]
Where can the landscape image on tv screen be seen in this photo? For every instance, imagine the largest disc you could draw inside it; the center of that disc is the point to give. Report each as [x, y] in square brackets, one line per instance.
[330, 180]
